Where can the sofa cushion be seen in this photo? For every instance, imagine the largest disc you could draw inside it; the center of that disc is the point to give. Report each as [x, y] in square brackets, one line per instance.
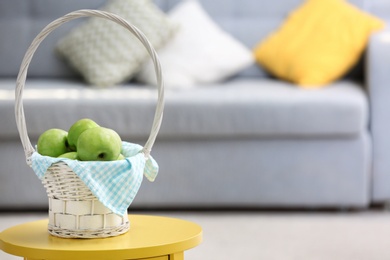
[266, 108]
[199, 53]
[239, 108]
[297, 52]
[105, 53]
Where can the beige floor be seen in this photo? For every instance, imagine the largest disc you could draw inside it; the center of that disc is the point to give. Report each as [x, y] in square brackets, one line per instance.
[277, 235]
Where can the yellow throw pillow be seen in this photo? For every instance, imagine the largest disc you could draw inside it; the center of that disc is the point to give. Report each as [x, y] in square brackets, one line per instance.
[318, 43]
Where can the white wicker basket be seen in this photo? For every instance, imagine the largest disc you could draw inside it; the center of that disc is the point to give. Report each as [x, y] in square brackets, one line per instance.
[74, 211]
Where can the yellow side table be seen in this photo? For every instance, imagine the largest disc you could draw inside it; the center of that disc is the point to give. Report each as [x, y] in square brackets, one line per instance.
[149, 237]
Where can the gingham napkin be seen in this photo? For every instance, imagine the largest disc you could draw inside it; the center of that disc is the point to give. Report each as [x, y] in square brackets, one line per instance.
[114, 183]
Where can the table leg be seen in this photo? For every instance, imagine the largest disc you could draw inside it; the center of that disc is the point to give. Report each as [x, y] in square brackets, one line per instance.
[164, 257]
[177, 256]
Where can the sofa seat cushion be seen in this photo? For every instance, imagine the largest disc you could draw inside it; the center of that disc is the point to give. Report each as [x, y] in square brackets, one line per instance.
[269, 108]
[239, 108]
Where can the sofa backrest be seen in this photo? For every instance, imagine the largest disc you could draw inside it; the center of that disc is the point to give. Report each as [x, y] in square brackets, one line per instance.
[20, 21]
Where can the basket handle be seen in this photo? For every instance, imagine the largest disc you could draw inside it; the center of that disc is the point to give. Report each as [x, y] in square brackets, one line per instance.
[21, 79]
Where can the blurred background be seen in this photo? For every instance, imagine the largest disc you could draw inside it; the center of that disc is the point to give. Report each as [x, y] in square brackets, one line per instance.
[275, 130]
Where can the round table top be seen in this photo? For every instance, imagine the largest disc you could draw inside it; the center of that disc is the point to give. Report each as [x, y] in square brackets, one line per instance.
[149, 236]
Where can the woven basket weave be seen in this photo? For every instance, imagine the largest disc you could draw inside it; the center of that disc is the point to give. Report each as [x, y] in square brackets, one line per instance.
[74, 211]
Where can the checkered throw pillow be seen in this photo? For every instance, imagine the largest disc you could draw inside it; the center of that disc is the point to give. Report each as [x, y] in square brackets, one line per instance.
[107, 54]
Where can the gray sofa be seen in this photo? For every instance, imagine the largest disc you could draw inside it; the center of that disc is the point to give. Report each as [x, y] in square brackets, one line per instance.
[252, 141]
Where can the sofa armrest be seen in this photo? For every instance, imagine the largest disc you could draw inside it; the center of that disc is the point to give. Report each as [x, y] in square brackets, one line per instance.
[378, 87]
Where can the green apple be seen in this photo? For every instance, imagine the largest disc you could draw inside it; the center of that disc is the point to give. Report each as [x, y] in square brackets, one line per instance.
[77, 129]
[69, 155]
[121, 157]
[99, 144]
[53, 142]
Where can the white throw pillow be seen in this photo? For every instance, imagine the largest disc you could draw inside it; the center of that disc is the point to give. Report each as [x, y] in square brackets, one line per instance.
[200, 52]
[104, 52]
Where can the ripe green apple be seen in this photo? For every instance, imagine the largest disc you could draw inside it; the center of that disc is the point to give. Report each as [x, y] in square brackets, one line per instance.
[69, 155]
[53, 142]
[76, 129]
[99, 144]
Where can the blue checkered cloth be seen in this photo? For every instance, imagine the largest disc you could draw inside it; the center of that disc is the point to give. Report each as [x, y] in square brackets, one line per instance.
[114, 183]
